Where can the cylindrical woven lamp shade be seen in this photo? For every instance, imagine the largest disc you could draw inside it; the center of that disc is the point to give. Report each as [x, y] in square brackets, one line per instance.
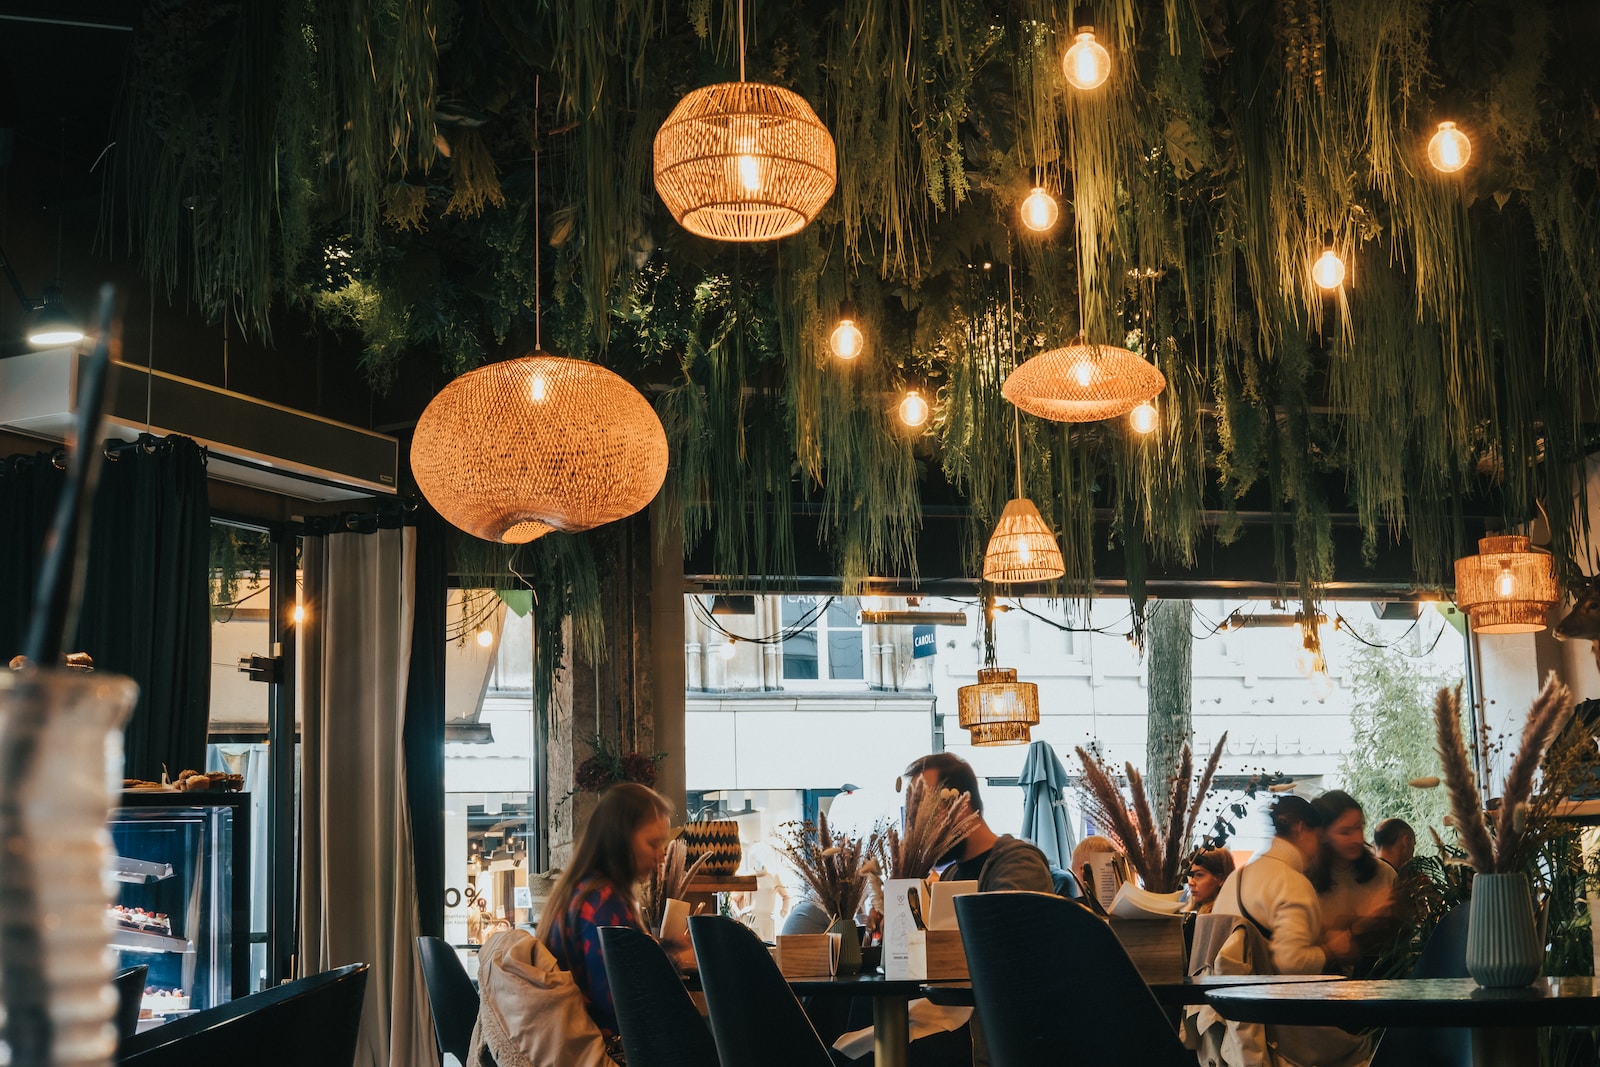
[512, 450]
[743, 161]
[1532, 579]
[1083, 383]
[998, 710]
[1022, 548]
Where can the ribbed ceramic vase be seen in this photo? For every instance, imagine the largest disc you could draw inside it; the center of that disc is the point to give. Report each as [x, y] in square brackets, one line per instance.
[60, 772]
[1503, 950]
[849, 945]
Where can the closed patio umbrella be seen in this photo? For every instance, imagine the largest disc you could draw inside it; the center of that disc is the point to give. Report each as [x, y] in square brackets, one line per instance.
[1044, 813]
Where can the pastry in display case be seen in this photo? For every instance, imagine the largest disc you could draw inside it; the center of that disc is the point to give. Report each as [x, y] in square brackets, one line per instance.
[182, 908]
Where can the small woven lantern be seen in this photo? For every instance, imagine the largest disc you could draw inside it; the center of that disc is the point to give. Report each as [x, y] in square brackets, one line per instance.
[1506, 588]
[512, 450]
[1022, 548]
[999, 710]
[1083, 383]
[742, 161]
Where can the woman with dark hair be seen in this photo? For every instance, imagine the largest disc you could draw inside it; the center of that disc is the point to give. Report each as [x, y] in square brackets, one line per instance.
[1208, 869]
[625, 839]
[1355, 888]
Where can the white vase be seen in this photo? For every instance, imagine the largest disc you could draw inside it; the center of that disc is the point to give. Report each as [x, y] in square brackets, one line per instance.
[1503, 949]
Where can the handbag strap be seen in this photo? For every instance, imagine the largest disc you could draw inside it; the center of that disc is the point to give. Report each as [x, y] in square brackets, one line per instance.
[1245, 908]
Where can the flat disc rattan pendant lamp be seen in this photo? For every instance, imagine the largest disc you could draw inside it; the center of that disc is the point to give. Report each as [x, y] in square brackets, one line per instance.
[513, 450]
[742, 161]
[1083, 382]
[1507, 588]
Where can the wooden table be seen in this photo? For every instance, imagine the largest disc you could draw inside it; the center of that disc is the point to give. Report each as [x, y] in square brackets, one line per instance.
[891, 1000]
[1182, 994]
[1503, 1022]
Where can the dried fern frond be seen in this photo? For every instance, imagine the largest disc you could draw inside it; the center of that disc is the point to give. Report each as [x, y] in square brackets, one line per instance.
[670, 881]
[1466, 806]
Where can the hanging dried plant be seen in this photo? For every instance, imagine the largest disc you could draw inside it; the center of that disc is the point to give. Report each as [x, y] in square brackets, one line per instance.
[937, 820]
[1155, 854]
[834, 866]
[669, 881]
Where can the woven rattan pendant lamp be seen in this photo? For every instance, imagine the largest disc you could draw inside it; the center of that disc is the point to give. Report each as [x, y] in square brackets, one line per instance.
[1022, 548]
[1507, 588]
[998, 710]
[742, 161]
[512, 450]
[1083, 382]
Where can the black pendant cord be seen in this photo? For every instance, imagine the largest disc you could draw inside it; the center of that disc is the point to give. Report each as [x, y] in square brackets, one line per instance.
[1011, 326]
[538, 233]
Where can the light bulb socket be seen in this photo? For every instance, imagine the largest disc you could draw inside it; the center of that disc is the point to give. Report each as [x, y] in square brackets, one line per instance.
[849, 311]
[1083, 18]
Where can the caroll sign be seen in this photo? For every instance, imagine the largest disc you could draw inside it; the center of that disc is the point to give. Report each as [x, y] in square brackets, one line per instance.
[923, 642]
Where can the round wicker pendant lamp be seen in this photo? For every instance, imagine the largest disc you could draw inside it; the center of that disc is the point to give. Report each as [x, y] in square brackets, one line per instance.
[742, 161]
[1507, 588]
[1083, 382]
[512, 450]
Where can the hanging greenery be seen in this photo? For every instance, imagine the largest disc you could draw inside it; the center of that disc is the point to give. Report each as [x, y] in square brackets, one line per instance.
[375, 162]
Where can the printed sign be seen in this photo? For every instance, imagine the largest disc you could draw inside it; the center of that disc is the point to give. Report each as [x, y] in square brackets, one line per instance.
[924, 642]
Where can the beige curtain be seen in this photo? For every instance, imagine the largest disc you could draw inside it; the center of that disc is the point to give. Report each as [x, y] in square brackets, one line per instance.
[357, 892]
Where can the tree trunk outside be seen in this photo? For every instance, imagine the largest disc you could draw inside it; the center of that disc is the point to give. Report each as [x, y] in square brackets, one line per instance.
[1170, 723]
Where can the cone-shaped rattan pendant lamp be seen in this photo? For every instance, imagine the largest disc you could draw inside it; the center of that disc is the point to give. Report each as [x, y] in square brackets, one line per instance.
[1083, 382]
[999, 710]
[512, 450]
[742, 161]
[1507, 588]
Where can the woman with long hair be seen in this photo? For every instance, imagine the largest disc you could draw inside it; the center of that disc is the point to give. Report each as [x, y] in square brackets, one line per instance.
[625, 840]
[1355, 888]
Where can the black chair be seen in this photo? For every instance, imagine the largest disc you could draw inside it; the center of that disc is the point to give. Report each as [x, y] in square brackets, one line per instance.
[755, 1019]
[312, 1022]
[1052, 984]
[661, 1027]
[129, 985]
[1444, 956]
[451, 997]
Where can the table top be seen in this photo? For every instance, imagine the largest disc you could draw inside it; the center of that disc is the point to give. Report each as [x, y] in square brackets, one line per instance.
[1455, 1002]
[857, 985]
[1172, 994]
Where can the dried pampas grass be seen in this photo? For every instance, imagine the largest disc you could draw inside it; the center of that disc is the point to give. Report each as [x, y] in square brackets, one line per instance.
[937, 820]
[835, 867]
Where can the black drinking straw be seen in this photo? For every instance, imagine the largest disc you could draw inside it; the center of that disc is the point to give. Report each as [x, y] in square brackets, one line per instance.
[29, 1029]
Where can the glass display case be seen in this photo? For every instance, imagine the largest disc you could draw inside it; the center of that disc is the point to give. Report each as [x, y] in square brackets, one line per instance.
[182, 908]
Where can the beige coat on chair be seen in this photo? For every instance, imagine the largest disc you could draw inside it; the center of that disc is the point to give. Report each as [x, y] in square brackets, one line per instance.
[530, 1011]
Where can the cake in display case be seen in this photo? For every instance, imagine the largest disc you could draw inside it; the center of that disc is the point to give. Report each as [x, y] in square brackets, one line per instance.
[182, 909]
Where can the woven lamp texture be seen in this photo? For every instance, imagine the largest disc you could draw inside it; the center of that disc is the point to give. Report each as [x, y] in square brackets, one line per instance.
[742, 161]
[1022, 548]
[1083, 383]
[1533, 583]
[999, 710]
[513, 450]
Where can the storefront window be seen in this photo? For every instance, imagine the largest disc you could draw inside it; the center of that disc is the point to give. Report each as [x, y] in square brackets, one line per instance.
[829, 645]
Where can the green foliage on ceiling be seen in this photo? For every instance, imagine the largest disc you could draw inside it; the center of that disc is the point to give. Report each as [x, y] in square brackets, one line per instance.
[374, 161]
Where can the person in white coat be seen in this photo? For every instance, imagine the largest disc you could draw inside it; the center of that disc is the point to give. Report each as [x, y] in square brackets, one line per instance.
[1274, 896]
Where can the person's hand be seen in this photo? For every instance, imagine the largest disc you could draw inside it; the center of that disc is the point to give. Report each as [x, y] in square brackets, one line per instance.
[1338, 945]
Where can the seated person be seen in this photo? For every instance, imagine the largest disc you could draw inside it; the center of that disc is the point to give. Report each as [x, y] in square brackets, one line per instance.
[994, 861]
[1355, 888]
[1208, 869]
[1083, 870]
[1396, 842]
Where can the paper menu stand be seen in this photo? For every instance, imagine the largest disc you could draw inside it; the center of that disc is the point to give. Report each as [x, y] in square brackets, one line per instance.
[675, 921]
[1151, 932]
[911, 952]
[1107, 873]
[808, 955]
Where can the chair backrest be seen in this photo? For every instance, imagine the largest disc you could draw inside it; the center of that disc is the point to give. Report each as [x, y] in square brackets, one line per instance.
[311, 1022]
[451, 997]
[129, 985]
[756, 1020]
[1053, 985]
[661, 1027]
[1444, 956]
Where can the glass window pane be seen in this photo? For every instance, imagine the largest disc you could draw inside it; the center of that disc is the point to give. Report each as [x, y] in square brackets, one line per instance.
[796, 608]
[844, 654]
[800, 656]
[842, 612]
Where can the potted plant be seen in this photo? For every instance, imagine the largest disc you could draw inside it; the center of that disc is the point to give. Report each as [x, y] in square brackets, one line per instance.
[836, 869]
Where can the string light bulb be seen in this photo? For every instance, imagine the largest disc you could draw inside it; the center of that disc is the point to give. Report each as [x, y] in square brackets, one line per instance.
[1449, 149]
[914, 410]
[846, 340]
[1328, 271]
[1039, 210]
[299, 613]
[1087, 63]
[728, 650]
[485, 638]
[1143, 418]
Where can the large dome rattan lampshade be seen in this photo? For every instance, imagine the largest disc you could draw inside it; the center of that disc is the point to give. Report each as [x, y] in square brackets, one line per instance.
[999, 710]
[1083, 383]
[742, 161]
[1506, 588]
[512, 450]
[1022, 548]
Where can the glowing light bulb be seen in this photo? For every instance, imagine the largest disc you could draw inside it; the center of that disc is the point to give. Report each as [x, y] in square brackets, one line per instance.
[727, 651]
[1328, 271]
[1143, 417]
[846, 341]
[1083, 372]
[485, 638]
[1088, 65]
[913, 409]
[750, 174]
[1505, 585]
[538, 388]
[1449, 149]
[299, 613]
[1024, 553]
[1039, 210]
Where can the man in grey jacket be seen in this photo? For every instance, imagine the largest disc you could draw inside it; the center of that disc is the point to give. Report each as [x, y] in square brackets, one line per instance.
[994, 861]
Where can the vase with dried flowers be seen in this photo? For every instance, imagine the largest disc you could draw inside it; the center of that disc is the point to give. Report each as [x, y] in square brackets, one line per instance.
[1156, 855]
[669, 881]
[836, 868]
[1503, 946]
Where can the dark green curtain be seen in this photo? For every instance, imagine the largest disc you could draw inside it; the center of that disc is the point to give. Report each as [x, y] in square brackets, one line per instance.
[146, 609]
[424, 728]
